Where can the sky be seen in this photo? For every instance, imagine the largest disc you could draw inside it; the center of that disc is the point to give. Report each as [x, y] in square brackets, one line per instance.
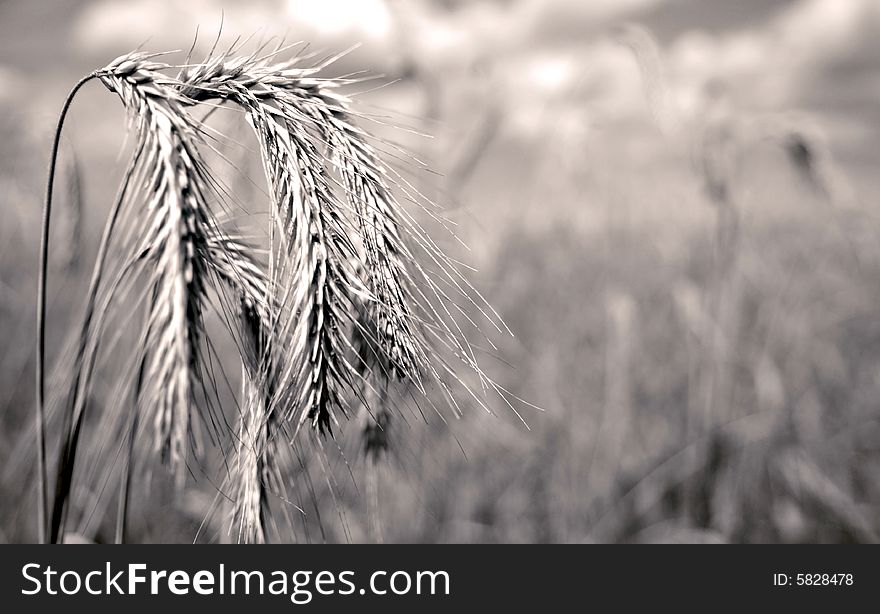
[817, 56]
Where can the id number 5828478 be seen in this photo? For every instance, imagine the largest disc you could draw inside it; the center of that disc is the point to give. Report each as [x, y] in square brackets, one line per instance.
[813, 579]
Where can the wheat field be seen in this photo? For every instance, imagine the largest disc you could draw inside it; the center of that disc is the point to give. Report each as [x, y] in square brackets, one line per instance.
[495, 272]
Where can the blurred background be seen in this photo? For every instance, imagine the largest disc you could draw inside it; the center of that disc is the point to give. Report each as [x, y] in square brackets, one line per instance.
[672, 204]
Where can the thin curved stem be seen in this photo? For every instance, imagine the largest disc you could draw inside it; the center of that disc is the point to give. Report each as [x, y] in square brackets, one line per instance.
[124, 492]
[43, 503]
[73, 418]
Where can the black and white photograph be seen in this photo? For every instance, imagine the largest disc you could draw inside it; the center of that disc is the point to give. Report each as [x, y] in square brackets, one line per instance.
[579, 272]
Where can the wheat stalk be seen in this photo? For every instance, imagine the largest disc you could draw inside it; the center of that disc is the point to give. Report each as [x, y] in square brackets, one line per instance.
[355, 293]
[174, 188]
[408, 304]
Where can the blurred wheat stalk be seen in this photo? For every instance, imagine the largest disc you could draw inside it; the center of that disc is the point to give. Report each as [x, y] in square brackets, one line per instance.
[711, 472]
[354, 293]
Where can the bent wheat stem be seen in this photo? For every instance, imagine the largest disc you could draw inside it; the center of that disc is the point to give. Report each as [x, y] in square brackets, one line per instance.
[42, 486]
